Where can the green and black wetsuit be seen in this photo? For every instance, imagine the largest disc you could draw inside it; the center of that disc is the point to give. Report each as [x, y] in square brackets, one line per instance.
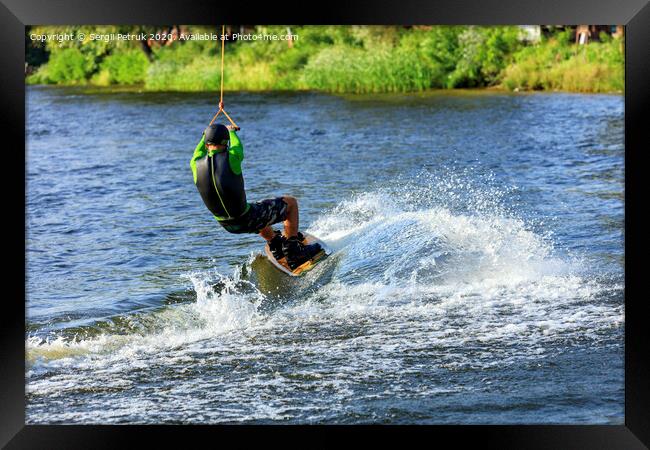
[218, 177]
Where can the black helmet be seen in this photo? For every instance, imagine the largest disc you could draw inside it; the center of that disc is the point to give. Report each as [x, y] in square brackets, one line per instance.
[217, 134]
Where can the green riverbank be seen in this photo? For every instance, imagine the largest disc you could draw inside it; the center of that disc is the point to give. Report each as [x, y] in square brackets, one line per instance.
[337, 59]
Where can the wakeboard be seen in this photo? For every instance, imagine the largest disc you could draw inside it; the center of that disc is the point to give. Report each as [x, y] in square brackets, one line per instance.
[305, 267]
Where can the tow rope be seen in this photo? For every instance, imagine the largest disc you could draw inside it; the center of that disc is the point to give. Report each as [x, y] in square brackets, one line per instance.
[221, 109]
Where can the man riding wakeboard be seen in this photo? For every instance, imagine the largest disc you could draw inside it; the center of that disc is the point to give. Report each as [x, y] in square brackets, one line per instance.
[216, 167]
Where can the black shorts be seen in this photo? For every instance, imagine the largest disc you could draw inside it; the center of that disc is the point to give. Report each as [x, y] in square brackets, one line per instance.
[259, 215]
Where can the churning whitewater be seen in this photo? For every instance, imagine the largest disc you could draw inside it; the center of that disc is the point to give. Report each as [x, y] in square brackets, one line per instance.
[437, 289]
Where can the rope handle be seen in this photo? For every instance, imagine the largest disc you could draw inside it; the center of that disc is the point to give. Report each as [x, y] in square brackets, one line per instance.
[221, 109]
[232, 122]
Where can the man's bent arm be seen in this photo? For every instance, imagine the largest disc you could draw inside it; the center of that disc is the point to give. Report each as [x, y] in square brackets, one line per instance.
[236, 151]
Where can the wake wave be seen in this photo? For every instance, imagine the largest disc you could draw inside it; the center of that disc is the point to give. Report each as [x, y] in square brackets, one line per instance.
[414, 233]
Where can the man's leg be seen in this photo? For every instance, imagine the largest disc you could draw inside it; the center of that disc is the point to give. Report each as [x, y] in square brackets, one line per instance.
[291, 222]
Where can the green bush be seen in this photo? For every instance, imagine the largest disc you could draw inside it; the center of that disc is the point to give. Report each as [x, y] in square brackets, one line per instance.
[129, 67]
[67, 66]
[483, 52]
[438, 44]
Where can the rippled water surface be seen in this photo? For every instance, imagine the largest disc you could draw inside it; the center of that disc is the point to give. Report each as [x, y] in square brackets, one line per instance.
[477, 274]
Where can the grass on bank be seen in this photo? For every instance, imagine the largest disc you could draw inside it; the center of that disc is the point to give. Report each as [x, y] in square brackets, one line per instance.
[350, 60]
[558, 65]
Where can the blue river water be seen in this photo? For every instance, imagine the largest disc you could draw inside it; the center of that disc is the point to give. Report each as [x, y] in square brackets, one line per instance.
[477, 274]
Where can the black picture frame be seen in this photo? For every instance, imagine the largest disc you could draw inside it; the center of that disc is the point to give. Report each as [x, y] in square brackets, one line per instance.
[15, 14]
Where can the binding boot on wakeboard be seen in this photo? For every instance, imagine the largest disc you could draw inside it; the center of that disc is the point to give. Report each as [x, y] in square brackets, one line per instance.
[298, 253]
[275, 245]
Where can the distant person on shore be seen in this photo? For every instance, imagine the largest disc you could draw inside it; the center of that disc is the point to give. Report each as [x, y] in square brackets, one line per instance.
[216, 167]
